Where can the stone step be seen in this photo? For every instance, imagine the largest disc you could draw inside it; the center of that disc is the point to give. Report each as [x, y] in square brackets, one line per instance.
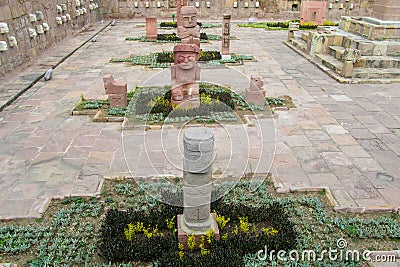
[299, 43]
[304, 35]
[330, 62]
[372, 73]
[381, 62]
[368, 47]
[336, 51]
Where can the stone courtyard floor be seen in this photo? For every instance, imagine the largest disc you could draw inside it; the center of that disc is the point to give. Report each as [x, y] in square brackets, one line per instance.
[343, 136]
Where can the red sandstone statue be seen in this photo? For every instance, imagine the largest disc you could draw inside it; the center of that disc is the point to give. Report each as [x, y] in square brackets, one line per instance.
[185, 74]
[189, 32]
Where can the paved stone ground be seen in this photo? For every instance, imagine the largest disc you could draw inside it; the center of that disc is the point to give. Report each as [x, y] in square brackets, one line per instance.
[342, 136]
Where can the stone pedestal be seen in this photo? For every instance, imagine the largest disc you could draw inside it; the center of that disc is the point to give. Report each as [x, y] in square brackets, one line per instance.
[197, 164]
[151, 28]
[116, 91]
[183, 232]
[226, 24]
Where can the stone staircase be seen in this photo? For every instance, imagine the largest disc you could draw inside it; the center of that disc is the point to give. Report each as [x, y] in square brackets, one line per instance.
[380, 60]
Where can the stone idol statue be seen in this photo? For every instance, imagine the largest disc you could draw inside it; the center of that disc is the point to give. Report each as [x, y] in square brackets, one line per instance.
[189, 32]
[185, 74]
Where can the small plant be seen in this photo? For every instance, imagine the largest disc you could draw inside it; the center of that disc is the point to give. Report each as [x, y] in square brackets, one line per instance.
[120, 111]
[191, 241]
[221, 220]
[203, 250]
[170, 223]
[269, 231]
[275, 101]
[173, 17]
[180, 252]
[244, 224]
[210, 235]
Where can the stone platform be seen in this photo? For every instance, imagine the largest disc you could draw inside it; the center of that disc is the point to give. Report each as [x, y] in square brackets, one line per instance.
[379, 47]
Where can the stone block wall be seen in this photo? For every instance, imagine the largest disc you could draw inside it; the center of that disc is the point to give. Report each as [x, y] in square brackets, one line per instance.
[31, 36]
[239, 9]
[387, 10]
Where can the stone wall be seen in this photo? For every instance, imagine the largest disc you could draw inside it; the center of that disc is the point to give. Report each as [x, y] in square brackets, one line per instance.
[26, 22]
[239, 9]
[387, 10]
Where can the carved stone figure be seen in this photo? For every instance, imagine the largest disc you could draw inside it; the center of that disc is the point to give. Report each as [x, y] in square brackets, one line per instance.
[255, 94]
[351, 54]
[198, 151]
[226, 34]
[185, 74]
[116, 91]
[189, 32]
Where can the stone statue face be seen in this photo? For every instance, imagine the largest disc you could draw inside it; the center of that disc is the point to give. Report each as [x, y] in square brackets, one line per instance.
[189, 17]
[185, 60]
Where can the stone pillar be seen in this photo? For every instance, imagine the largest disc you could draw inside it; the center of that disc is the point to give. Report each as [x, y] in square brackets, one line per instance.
[197, 163]
[116, 91]
[347, 69]
[293, 26]
[151, 28]
[226, 24]
[388, 10]
[179, 5]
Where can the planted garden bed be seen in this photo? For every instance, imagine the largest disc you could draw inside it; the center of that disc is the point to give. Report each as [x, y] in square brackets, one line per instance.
[172, 24]
[81, 231]
[173, 37]
[151, 105]
[284, 25]
[100, 109]
[165, 59]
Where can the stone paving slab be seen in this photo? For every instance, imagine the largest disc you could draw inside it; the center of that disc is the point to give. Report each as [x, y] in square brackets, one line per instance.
[344, 137]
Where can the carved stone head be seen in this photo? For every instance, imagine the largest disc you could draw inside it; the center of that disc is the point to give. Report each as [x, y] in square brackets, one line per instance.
[186, 55]
[189, 16]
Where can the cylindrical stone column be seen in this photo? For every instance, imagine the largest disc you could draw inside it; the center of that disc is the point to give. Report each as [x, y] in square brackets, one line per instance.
[197, 164]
